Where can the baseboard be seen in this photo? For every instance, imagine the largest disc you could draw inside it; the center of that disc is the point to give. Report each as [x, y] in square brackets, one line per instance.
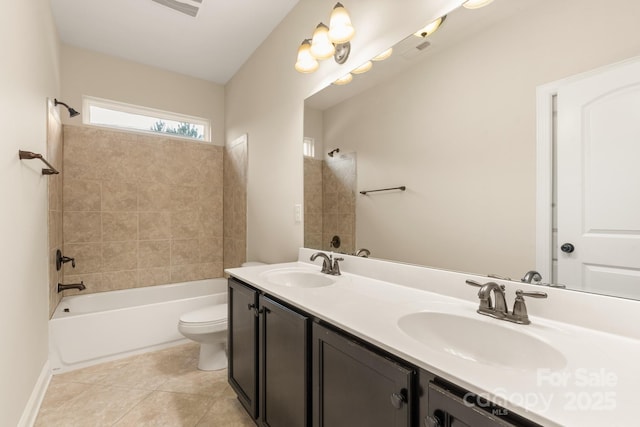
[30, 412]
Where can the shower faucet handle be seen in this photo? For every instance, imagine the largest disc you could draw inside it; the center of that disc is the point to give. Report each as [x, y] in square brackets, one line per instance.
[61, 259]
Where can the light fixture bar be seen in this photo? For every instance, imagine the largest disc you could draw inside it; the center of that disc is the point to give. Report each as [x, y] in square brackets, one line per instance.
[185, 8]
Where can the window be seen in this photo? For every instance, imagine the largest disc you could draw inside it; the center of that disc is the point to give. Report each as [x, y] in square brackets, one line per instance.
[308, 147]
[113, 114]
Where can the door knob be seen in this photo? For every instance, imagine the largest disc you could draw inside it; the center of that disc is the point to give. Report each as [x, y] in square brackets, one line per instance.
[397, 399]
[432, 421]
[567, 248]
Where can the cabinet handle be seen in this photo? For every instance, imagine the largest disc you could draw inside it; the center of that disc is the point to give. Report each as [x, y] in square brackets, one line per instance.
[397, 399]
[251, 306]
[432, 421]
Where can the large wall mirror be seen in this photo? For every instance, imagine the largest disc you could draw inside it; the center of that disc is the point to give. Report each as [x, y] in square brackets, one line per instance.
[452, 118]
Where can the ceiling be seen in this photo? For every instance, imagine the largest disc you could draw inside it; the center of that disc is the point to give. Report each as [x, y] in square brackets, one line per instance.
[211, 46]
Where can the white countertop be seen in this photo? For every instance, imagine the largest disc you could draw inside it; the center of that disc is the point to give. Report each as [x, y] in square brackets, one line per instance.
[597, 385]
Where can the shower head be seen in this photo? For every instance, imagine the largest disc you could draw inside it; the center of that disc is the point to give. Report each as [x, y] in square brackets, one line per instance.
[334, 151]
[72, 112]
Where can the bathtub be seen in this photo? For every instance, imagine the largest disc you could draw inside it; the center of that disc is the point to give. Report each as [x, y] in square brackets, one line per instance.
[95, 328]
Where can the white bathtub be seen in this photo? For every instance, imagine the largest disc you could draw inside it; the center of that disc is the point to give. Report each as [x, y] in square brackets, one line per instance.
[95, 328]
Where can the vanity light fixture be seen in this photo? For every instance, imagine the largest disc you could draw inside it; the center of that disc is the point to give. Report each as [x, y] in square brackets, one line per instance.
[384, 55]
[306, 62]
[430, 28]
[344, 80]
[340, 28]
[326, 42]
[321, 46]
[363, 68]
[476, 4]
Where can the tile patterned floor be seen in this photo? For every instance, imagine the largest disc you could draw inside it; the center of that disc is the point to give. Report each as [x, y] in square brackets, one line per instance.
[161, 388]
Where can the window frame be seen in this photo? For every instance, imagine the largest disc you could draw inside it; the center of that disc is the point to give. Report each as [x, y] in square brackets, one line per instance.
[91, 101]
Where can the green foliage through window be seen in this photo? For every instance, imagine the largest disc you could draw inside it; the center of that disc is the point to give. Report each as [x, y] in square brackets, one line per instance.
[183, 129]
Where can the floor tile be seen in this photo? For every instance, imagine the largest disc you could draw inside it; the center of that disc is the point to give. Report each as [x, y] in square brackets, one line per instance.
[161, 388]
[226, 412]
[162, 408]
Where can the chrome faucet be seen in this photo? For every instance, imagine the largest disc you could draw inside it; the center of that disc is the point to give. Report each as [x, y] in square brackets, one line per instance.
[329, 263]
[364, 252]
[500, 311]
[79, 286]
[531, 276]
[486, 305]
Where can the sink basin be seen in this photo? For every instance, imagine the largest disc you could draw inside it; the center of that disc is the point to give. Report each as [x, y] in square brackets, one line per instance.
[298, 278]
[481, 341]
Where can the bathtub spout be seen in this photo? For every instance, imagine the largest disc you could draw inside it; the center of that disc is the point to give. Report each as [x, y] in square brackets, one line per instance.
[79, 286]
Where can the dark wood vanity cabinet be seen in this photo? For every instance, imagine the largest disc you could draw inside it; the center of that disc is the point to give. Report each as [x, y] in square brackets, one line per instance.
[268, 358]
[355, 386]
[290, 370]
[242, 344]
[284, 366]
[442, 404]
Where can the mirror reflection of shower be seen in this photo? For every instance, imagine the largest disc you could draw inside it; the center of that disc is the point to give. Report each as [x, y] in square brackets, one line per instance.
[329, 201]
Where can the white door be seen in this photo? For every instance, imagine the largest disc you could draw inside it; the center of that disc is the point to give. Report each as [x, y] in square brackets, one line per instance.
[598, 182]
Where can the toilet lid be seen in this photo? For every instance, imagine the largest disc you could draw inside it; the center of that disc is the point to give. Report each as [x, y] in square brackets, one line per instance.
[211, 314]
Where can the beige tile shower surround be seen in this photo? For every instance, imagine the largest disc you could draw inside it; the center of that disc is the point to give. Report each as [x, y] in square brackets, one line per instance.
[140, 210]
[339, 201]
[235, 203]
[313, 202]
[162, 388]
[329, 202]
[54, 156]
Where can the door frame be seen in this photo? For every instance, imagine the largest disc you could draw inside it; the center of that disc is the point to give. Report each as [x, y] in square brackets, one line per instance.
[544, 163]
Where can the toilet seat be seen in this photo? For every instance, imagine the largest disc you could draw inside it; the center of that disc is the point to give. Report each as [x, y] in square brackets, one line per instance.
[205, 320]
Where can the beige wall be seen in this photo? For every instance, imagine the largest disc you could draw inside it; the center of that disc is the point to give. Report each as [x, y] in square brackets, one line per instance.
[103, 76]
[265, 99]
[458, 129]
[140, 210]
[28, 76]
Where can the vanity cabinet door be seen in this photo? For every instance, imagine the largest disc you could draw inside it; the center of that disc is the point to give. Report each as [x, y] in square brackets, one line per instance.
[243, 344]
[284, 367]
[353, 386]
[452, 407]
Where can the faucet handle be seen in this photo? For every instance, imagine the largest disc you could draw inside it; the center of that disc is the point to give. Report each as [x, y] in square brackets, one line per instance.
[519, 313]
[473, 283]
[335, 267]
[479, 285]
[533, 294]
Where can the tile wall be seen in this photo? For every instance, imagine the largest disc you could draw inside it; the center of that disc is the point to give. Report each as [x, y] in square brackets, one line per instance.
[329, 202]
[140, 210]
[235, 202]
[54, 156]
[339, 201]
[313, 203]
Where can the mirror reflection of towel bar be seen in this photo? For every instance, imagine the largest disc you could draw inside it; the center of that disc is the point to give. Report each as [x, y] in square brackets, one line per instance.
[28, 155]
[401, 188]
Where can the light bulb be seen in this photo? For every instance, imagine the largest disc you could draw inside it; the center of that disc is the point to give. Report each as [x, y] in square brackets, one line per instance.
[430, 28]
[476, 4]
[306, 63]
[363, 68]
[321, 46]
[340, 28]
[384, 55]
[344, 80]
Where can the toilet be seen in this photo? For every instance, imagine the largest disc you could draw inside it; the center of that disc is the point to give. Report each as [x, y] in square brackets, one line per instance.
[208, 326]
